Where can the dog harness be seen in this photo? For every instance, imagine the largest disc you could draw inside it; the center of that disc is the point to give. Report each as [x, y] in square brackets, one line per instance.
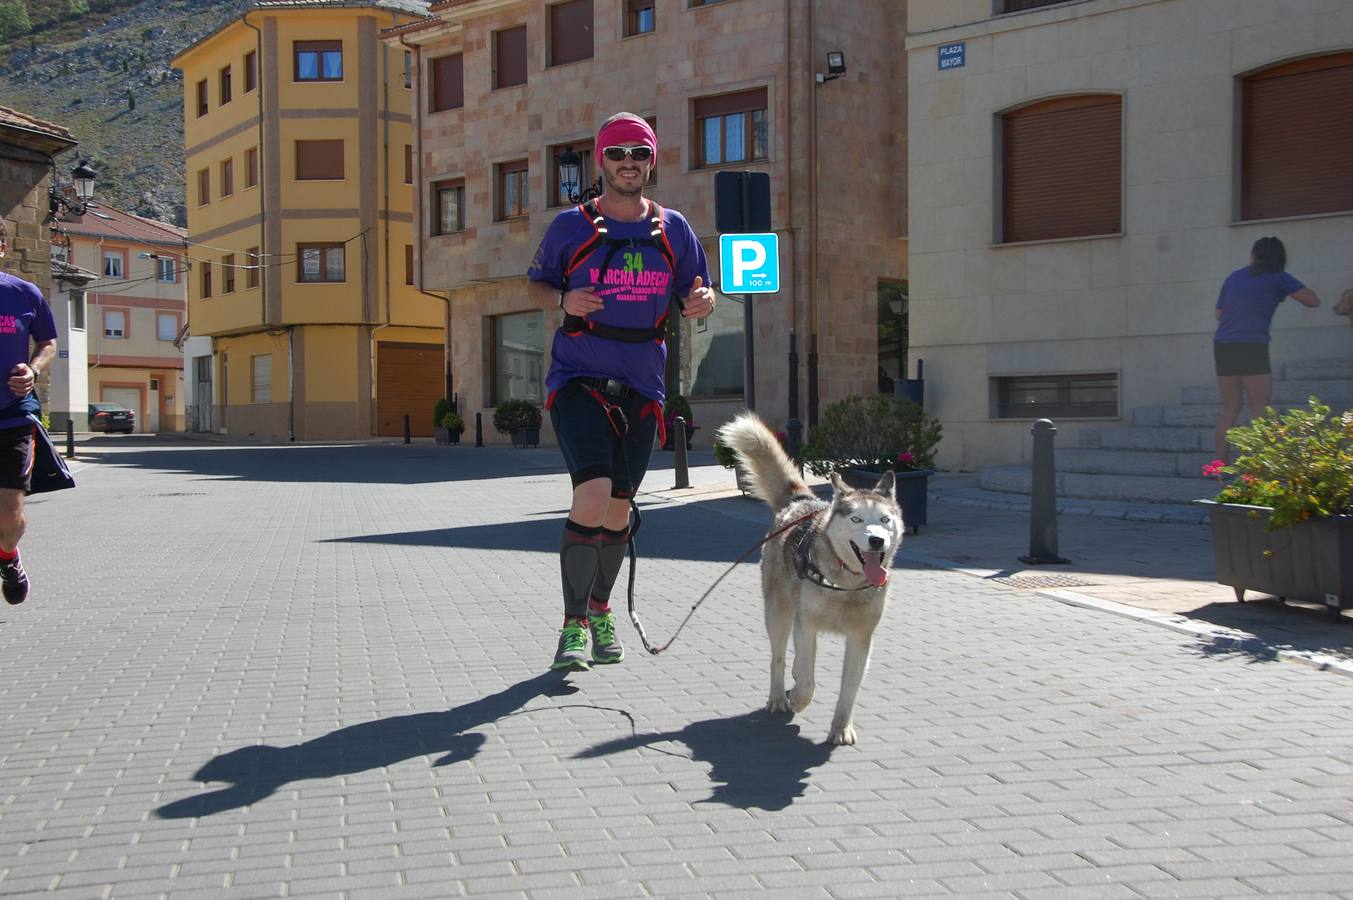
[804, 566]
[657, 238]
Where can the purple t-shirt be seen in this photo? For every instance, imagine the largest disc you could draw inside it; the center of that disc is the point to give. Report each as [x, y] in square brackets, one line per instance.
[24, 314]
[635, 287]
[1247, 303]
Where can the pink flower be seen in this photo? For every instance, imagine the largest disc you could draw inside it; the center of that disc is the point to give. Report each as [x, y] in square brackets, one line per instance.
[1213, 468]
[905, 456]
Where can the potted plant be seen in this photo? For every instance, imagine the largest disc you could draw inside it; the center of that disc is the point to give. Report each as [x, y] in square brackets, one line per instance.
[863, 437]
[677, 405]
[1282, 522]
[521, 420]
[439, 412]
[452, 425]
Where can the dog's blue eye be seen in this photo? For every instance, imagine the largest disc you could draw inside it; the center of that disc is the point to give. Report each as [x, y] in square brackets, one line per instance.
[883, 520]
[856, 519]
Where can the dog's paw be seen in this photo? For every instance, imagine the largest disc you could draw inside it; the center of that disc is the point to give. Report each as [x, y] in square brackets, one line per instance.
[842, 735]
[799, 698]
[779, 704]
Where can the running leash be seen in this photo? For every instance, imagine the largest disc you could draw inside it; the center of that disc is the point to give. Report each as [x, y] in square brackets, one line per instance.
[634, 617]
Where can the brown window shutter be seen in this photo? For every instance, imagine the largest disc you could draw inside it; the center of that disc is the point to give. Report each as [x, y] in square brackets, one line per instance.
[1062, 169]
[570, 32]
[509, 63]
[319, 160]
[1296, 154]
[727, 104]
[448, 82]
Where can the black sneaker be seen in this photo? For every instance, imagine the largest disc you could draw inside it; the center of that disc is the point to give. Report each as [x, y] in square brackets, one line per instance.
[13, 580]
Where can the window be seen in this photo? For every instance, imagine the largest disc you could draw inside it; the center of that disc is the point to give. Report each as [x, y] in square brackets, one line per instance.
[318, 60]
[732, 128]
[408, 263]
[260, 372]
[113, 264]
[408, 69]
[228, 274]
[512, 190]
[203, 187]
[320, 263]
[711, 352]
[206, 279]
[570, 32]
[1057, 396]
[202, 98]
[251, 274]
[166, 269]
[448, 206]
[60, 253]
[448, 83]
[639, 17]
[1309, 98]
[250, 71]
[227, 177]
[319, 160]
[517, 357]
[166, 326]
[115, 323]
[77, 310]
[509, 57]
[562, 180]
[1061, 164]
[251, 167]
[893, 330]
[1006, 6]
[408, 164]
[224, 85]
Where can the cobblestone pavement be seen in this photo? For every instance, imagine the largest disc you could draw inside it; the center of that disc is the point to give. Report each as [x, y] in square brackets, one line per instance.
[262, 671]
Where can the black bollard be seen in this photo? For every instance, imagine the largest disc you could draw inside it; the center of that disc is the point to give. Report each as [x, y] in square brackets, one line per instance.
[683, 475]
[479, 429]
[408, 435]
[70, 439]
[1043, 500]
[795, 431]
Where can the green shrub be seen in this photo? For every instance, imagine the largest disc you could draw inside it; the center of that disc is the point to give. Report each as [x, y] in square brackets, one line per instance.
[677, 405]
[514, 414]
[1300, 464]
[439, 411]
[875, 432]
[452, 421]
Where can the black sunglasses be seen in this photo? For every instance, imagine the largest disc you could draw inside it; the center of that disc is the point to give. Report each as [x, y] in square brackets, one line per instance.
[638, 154]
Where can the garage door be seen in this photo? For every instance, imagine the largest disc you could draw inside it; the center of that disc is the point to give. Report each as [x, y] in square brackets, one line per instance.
[408, 380]
[128, 397]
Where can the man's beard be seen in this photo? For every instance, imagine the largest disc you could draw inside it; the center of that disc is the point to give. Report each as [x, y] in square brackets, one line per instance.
[612, 185]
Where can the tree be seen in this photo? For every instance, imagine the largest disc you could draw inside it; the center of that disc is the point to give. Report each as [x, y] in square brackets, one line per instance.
[14, 20]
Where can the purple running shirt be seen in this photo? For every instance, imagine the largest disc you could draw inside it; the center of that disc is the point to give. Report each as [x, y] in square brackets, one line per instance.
[1247, 303]
[635, 287]
[24, 313]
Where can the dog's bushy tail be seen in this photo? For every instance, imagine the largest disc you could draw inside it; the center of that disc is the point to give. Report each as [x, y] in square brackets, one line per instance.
[774, 476]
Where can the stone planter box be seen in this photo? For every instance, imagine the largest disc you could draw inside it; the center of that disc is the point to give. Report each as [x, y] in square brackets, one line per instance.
[1310, 561]
[526, 437]
[449, 436]
[911, 491]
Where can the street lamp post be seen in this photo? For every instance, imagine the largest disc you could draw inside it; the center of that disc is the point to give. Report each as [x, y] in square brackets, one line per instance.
[570, 177]
[82, 177]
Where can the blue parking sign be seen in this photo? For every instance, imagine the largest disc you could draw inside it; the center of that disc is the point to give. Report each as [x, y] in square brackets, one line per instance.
[749, 263]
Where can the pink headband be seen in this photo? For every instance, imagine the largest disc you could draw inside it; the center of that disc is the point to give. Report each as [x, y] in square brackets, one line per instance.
[627, 129]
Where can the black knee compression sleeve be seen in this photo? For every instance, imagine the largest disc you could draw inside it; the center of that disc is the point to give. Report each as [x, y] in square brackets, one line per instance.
[611, 552]
[578, 564]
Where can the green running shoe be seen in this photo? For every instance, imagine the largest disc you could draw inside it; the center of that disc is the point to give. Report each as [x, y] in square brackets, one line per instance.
[606, 647]
[572, 652]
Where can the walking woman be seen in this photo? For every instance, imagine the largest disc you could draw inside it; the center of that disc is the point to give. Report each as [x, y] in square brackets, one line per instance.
[1245, 308]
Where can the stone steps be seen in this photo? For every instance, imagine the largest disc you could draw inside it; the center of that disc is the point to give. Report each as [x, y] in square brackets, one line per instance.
[1158, 457]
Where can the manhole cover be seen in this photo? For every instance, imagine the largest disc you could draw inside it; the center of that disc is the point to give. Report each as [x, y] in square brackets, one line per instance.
[1037, 582]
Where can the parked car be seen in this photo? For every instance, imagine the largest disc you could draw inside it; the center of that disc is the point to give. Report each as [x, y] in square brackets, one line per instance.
[111, 417]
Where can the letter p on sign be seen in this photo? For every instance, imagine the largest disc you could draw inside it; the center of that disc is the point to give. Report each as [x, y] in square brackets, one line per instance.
[749, 263]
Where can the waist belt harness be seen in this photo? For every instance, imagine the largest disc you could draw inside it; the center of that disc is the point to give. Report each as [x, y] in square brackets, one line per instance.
[657, 238]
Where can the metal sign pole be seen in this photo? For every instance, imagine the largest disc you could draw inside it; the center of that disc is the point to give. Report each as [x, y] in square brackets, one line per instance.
[748, 324]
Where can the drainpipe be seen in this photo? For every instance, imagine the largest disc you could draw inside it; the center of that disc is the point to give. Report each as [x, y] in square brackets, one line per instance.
[262, 182]
[789, 218]
[812, 220]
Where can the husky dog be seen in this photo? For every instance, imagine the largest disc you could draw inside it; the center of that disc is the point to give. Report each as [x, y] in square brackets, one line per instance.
[827, 570]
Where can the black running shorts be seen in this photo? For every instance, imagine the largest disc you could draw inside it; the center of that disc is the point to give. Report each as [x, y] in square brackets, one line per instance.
[591, 447]
[16, 457]
[1241, 358]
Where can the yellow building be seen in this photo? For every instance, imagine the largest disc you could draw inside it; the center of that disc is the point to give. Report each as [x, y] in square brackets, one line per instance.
[300, 236]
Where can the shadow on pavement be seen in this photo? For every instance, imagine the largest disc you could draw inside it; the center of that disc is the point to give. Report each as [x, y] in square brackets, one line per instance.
[758, 759]
[1278, 626]
[257, 771]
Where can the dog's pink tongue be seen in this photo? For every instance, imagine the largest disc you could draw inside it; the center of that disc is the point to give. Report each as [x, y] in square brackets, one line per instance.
[873, 569]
